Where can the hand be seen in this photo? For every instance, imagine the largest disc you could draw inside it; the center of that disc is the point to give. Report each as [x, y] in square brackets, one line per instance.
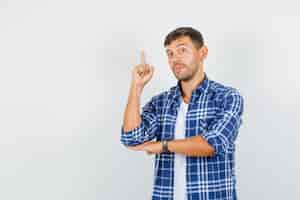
[142, 73]
[150, 147]
[139, 147]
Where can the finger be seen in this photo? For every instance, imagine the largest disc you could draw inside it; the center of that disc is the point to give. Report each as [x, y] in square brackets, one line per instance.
[136, 148]
[148, 142]
[151, 69]
[148, 73]
[143, 57]
[140, 70]
[147, 69]
[132, 148]
[139, 147]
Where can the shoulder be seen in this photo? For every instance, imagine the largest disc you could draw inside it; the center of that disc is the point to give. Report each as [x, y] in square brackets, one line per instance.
[163, 97]
[226, 97]
[221, 91]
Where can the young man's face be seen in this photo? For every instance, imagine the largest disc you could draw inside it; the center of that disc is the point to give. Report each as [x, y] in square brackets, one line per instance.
[184, 58]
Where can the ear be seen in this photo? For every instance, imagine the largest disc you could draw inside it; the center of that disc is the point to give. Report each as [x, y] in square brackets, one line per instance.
[203, 52]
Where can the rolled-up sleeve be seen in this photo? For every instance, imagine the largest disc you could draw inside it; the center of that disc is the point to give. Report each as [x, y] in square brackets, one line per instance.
[146, 131]
[222, 132]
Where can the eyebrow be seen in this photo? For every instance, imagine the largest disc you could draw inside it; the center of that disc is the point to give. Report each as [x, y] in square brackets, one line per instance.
[181, 44]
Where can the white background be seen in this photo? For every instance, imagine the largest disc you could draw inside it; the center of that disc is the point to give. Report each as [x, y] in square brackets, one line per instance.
[65, 69]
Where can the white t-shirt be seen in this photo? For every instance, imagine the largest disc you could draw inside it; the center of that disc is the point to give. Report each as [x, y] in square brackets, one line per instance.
[180, 159]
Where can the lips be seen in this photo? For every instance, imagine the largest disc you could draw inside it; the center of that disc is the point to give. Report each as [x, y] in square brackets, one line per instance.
[178, 67]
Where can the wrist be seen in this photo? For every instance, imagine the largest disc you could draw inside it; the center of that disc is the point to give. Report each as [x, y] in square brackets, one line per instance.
[165, 148]
[136, 88]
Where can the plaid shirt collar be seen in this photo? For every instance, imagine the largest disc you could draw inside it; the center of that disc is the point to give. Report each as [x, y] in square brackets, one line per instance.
[201, 89]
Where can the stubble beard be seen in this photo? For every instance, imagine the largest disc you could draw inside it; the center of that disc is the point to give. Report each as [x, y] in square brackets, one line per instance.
[188, 76]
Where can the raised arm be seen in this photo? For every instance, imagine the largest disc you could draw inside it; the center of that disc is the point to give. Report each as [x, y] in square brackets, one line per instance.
[134, 130]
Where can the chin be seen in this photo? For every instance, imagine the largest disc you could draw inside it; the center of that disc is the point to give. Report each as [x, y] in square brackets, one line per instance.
[183, 78]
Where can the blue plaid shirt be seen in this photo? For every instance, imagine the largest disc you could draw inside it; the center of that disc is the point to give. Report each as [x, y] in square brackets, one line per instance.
[214, 112]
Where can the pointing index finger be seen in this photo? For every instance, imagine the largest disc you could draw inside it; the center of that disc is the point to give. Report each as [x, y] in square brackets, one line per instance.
[143, 59]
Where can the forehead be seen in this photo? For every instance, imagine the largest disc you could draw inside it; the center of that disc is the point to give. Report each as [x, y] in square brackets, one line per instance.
[184, 40]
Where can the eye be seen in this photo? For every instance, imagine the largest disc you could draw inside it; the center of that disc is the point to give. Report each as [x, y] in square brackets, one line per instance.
[170, 54]
[182, 50]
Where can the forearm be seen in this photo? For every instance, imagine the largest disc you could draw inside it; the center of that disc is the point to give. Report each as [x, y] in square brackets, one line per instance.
[132, 117]
[192, 146]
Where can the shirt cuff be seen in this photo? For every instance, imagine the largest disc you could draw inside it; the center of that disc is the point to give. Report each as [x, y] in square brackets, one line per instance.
[216, 141]
[130, 138]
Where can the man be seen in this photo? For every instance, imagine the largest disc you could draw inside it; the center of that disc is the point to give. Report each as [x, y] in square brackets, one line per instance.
[195, 124]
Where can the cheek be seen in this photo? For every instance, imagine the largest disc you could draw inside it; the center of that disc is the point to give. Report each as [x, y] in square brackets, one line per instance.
[187, 60]
[198, 58]
[170, 64]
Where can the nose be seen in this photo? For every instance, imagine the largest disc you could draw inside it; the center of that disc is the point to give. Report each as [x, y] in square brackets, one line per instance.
[175, 60]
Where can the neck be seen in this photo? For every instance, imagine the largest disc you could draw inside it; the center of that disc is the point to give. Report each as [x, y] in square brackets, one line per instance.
[189, 86]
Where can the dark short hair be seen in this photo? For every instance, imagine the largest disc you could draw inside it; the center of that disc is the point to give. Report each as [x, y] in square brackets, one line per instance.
[194, 35]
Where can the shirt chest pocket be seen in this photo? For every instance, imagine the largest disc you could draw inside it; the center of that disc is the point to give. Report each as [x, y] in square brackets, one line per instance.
[166, 126]
[198, 121]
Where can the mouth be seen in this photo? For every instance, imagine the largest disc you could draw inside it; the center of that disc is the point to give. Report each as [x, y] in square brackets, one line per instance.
[178, 67]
